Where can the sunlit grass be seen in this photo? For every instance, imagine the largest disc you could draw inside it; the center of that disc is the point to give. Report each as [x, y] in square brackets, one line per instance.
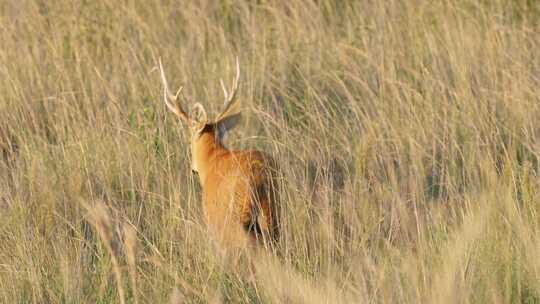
[407, 132]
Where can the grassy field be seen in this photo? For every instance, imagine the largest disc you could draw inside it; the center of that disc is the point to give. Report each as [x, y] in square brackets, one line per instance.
[408, 133]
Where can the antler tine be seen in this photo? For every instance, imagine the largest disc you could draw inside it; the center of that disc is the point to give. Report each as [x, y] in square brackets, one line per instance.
[229, 98]
[225, 93]
[175, 108]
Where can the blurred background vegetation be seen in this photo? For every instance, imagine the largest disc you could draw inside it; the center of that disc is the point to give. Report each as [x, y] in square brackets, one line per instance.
[408, 133]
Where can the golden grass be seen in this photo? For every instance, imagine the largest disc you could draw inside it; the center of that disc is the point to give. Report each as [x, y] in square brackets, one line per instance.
[408, 133]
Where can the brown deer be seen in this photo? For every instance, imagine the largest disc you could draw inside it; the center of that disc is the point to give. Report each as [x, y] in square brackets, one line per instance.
[239, 187]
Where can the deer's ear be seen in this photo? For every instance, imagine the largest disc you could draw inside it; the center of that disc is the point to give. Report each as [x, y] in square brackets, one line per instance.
[199, 118]
[227, 123]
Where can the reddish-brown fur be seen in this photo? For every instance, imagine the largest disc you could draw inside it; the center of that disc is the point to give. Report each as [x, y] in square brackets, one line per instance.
[238, 191]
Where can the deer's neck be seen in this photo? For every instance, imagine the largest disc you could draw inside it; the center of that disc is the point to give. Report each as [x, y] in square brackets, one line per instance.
[205, 152]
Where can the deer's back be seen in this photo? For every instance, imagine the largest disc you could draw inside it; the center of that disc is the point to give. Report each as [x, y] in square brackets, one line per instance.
[239, 196]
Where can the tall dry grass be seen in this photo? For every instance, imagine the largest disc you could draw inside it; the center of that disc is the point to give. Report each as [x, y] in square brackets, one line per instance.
[408, 133]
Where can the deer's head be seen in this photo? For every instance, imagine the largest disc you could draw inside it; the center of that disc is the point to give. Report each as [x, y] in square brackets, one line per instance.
[204, 133]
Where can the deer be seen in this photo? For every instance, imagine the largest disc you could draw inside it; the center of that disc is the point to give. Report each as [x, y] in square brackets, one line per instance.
[239, 188]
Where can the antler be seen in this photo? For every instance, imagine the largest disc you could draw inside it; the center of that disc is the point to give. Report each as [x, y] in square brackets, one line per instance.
[173, 105]
[230, 98]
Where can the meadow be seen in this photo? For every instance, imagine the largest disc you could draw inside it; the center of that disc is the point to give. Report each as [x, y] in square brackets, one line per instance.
[407, 133]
